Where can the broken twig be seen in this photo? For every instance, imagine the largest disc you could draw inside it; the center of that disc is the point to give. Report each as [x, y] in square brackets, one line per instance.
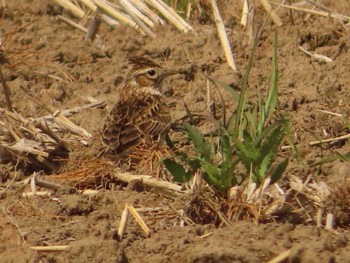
[340, 138]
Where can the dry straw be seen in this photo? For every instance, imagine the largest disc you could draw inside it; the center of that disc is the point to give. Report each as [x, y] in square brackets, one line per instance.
[49, 248]
[318, 57]
[275, 18]
[135, 13]
[144, 15]
[268, 200]
[74, 9]
[40, 141]
[245, 13]
[129, 209]
[223, 36]
[99, 173]
[314, 12]
[281, 257]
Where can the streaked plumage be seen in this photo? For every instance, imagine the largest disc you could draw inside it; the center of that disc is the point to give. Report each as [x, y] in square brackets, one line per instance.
[141, 116]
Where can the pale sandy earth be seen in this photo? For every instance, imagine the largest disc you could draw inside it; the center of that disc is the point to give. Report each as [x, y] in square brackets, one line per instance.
[40, 45]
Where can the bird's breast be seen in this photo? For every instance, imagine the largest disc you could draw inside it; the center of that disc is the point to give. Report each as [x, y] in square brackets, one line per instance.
[150, 91]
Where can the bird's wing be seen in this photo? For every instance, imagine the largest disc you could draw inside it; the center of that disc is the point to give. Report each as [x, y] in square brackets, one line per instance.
[155, 120]
[140, 121]
[118, 133]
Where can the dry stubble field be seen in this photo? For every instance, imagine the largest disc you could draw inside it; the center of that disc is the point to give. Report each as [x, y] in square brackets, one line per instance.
[36, 46]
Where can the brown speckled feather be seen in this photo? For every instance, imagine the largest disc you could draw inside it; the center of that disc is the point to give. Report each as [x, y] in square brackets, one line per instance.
[145, 121]
[141, 62]
[141, 116]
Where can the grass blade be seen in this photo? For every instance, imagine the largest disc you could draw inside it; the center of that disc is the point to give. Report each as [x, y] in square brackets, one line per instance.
[269, 149]
[241, 101]
[221, 84]
[270, 105]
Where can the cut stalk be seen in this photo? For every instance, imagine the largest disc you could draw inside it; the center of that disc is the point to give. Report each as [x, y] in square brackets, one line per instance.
[314, 12]
[275, 18]
[223, 36]
[169, 16]
[49, 248]
[71, 7]
[139, 220]
[123, 222]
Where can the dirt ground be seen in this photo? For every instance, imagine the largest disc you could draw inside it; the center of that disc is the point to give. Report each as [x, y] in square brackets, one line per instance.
[52, 62]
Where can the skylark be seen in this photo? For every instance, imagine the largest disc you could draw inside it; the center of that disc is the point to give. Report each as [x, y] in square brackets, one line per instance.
[141, 116]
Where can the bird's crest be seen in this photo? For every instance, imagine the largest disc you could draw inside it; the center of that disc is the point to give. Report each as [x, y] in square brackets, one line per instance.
[142, 62]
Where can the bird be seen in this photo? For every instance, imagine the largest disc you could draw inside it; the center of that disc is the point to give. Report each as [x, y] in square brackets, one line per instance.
[141, 116]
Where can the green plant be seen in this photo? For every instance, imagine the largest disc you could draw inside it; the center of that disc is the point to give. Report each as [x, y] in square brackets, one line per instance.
[218, 172]
[180, 6]
[251, 137]
[261, 137]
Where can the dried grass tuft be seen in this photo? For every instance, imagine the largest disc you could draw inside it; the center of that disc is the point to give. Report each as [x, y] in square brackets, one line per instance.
[42, 142]
[338, 203]
[93, 173]
[148, 161]
[102, 173]
[206, 210]
[30, 141]
[300, 201]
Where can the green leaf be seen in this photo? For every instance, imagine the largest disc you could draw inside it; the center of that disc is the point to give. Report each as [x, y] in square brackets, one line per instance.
[235, 98]
[267, 110]
[247, 151]
[219, 83]
[177, 170]
[241, 102]
[225, 145]
[201, 145]
[251, 118]
[291, 141]
[247, 136]
[227, 173]
[269, 149]
[279, 170]
[242, 128]
[267, 130]
[271, 101]
[227, 165]
[169, 142]
[261, 120]
[211, 174]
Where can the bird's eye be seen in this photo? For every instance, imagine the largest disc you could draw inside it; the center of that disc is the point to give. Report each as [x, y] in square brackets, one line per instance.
[152, 72]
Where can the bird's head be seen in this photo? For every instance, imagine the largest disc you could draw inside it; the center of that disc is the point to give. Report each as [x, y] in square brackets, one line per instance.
[145, 76]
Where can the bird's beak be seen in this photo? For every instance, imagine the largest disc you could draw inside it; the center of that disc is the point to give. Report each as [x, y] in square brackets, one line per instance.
[169, 73]
[164, 75]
